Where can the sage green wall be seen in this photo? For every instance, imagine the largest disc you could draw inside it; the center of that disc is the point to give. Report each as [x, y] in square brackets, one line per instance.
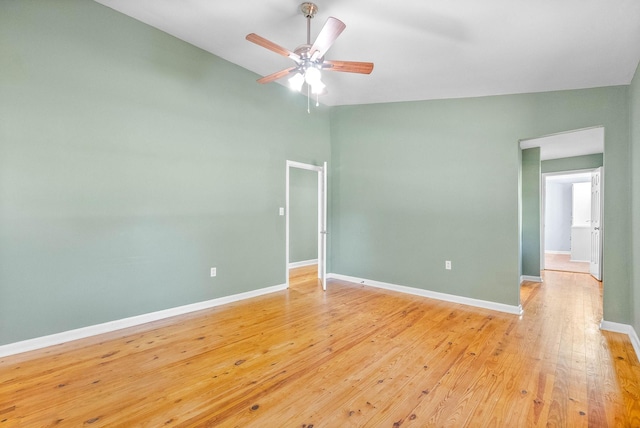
[419, 183]
[130, 163]
[575, 163]
[635, 168]
[531, 196]
[303, 215]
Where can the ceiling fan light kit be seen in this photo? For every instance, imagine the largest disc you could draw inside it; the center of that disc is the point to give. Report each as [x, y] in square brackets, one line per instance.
[309, 58]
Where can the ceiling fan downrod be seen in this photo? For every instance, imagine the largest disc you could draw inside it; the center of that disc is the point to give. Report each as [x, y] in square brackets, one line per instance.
[309, 10]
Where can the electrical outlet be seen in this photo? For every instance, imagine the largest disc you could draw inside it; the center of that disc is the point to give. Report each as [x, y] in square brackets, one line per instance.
[281, 211]
[447, 264]
[213, 272]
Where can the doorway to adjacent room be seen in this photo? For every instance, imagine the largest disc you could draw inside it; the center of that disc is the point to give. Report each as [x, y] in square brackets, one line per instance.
[566, 221]
[571, 194]
[306, 223]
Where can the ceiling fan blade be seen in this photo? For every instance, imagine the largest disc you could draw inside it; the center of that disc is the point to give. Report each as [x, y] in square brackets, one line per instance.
[277, 75]
[329, 33]
[349, 66]
[261, 41]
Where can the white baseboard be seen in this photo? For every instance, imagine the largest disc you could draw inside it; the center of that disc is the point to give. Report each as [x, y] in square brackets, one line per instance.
[557, 252]
[501, 307]
[530, 278]
[303, 263]
[81, 333]
[626, 329]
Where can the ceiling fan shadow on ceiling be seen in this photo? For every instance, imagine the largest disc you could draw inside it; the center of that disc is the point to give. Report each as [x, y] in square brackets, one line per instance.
[309, 58]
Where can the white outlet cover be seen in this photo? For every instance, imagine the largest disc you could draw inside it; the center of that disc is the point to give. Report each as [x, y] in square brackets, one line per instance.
[213, 272]
[281, 211]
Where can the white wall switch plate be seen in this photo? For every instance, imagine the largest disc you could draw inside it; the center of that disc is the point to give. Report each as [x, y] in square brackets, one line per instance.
[281, 211]
[213, 272]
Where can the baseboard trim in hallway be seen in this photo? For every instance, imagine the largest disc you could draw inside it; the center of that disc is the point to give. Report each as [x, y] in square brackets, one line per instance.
[303, 263]
[530, 278]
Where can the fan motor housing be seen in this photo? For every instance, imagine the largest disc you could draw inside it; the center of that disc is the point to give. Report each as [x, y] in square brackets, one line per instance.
[303, 52]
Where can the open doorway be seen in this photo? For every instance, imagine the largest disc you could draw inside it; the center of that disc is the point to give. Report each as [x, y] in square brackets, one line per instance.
[303, 227]
[552, 234]
[566, 234]
[306, 219]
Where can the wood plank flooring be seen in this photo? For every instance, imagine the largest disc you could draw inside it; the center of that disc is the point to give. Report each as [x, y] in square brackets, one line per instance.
[563, 262]
[351, 357]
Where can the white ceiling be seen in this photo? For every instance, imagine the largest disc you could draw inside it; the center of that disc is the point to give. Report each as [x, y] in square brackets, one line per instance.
[422, 49]
[567, 144]
[581, 177]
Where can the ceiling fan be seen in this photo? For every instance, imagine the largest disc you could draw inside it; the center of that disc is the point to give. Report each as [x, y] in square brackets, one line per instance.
[309, 58]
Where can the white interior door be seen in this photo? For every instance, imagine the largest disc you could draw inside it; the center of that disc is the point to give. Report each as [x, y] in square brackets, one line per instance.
[595, 264]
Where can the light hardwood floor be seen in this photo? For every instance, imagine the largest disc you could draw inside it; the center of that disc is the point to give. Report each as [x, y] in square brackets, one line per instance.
[563, 262]
[353, 356]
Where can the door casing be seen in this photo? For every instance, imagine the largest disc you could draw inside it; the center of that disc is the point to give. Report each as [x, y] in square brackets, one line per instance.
[322, 217]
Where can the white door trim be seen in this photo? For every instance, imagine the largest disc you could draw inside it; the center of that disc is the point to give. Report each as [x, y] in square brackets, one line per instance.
[595, 267]
[322, 226]
[322, 210]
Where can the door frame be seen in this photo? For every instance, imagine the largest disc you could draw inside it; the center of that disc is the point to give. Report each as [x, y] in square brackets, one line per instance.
[600, 206]
[543, 207]
[322, 217]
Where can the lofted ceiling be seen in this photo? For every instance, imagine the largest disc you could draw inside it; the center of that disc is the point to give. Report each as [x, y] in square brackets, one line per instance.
[422, 49]
[567, 144]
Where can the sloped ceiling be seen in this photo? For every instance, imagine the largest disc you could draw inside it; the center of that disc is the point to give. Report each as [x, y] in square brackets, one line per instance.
[422, 49]
[567, 144]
